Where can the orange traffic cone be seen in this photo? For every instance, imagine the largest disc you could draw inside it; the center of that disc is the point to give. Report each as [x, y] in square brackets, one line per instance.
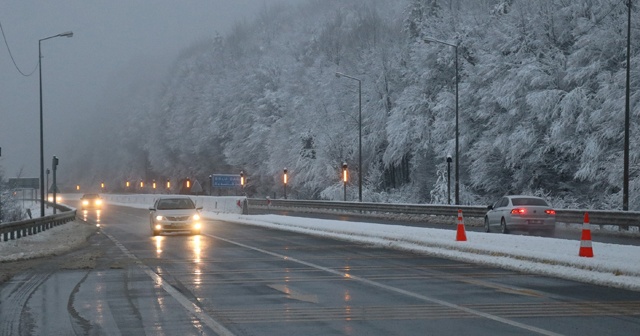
[460, 235]
[585, 242]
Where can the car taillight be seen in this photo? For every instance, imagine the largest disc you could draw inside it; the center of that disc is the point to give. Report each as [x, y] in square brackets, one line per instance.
[519, 211]
[550, 212]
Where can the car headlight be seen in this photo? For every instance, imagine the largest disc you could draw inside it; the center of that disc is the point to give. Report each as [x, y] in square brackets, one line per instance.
[158, 226]
[85, 202]
[98, 202]
[196, 217]
[197, 226]
[159, 217]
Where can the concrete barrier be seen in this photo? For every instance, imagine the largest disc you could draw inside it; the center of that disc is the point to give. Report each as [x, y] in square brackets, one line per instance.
[218, 204]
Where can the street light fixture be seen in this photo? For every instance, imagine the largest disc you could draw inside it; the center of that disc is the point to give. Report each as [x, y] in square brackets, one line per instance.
[42, 192]
[455, 47]
[339, 74]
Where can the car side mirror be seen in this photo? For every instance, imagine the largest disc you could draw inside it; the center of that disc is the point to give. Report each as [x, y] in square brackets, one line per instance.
[152, 209]
[199, 208]
[490, 207]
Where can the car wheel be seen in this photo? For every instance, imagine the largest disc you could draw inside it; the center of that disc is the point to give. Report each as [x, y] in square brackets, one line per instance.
[486, 225]
[503, 226]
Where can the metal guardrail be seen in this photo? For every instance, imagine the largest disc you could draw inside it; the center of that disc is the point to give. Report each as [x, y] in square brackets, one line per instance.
[623, 219]
[15, 230]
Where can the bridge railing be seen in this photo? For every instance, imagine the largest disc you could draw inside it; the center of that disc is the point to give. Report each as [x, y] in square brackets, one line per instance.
[622, 219]
[23, 228]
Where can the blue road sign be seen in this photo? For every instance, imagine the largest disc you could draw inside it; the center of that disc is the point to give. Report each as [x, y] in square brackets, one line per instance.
[225, 181]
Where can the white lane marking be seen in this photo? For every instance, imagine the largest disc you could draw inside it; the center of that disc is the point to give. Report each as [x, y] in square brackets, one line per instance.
[217, 327]
[394, 289]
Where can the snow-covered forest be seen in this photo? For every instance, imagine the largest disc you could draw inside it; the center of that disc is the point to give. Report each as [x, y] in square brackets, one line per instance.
[541, 104]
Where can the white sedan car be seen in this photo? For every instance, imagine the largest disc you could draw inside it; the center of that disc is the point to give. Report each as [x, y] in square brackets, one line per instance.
[521, 213]
[174, 214]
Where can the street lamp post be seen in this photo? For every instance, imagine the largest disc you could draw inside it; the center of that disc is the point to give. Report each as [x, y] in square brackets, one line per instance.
[339, 74]
[455, 47]
[625, 177]
[42, 192]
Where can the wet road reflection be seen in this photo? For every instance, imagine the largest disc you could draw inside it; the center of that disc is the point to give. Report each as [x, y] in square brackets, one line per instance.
[86, 213]
[196, 247]
[158, 240]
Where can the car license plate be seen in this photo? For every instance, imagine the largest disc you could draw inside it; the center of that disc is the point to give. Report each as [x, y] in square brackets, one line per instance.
[535, 221]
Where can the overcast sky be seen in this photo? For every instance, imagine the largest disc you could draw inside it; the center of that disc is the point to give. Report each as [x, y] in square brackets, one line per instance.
[109, 37]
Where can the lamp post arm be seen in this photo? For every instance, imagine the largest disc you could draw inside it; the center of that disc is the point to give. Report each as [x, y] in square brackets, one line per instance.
[340, 74]
[429, 39]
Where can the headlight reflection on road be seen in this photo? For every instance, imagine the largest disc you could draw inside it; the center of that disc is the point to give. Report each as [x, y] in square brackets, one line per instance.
[158, 240]
[197, 279]
[197, 248]
[84, 215]
[98, 218]
[347, 296]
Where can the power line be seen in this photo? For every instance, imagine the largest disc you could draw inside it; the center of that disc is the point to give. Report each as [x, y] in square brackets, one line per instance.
[11, 55]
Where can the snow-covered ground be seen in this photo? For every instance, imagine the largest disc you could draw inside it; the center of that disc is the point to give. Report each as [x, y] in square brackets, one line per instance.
[612, 265]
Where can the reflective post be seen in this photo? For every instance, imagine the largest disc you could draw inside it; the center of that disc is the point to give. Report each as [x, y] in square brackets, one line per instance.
[344, 179]
[242, 181]
[284, 179]
[449, 179]
[54, 167]
[47, 191]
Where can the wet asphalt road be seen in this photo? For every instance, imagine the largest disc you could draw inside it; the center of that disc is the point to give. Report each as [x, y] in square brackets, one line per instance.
[243, 280]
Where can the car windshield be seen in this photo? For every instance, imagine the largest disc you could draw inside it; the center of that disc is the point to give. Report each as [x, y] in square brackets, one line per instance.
[175, 203]
[91, 196]
[529, 201]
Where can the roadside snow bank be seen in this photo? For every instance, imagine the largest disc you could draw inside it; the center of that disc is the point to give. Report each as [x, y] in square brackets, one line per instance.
[613, 265]
[57, 240]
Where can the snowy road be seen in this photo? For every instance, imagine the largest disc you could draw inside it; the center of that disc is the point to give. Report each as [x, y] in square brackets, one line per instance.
[252, 280]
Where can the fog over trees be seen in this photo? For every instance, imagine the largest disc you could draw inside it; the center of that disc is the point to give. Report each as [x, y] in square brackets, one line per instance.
[541, 104]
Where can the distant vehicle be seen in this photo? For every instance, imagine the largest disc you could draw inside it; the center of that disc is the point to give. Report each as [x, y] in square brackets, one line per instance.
[58, 198]
[521, 213]
[174, 214]
[91, 201]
